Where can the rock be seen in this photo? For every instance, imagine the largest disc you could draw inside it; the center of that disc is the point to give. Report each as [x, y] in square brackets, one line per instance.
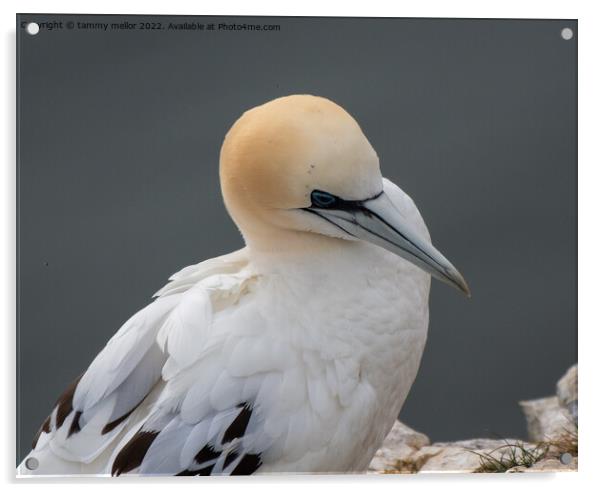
[448, 458]
[551, 421]
[423, 456]
[546, 419]
[551, 418]
[396, 450]
[566, 390]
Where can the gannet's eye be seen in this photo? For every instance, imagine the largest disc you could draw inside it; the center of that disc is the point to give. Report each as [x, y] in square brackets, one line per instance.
[321, 199]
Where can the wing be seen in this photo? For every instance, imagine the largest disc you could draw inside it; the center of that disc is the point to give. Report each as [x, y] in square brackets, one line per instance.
[96, 406]
[95, 409]
[250, 407]
[247, 400]
[207, 419]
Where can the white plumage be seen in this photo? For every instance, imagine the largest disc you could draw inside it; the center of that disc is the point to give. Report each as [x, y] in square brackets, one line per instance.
[270, 359]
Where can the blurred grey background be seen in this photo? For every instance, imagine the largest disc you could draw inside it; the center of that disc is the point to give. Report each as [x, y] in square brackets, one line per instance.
[119, 137]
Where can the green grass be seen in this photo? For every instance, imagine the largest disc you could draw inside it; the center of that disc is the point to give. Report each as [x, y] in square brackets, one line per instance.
[510, 455]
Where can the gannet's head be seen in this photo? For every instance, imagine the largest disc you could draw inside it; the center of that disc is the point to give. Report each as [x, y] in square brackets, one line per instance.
[302, 164]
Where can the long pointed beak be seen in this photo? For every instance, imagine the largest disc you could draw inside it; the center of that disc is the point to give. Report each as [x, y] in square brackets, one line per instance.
[379, 222]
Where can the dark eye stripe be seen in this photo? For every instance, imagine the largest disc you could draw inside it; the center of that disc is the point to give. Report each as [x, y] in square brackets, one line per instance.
[325, 200]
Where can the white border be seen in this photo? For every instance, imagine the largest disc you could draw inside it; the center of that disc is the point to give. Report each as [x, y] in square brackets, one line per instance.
[590, 270]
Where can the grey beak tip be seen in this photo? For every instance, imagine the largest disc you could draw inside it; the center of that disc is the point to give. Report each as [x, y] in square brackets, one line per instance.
[464, 289]
[455, 278]
[461, 284]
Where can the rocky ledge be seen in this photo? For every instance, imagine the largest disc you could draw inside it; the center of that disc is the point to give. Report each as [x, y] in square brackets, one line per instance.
[552, 446]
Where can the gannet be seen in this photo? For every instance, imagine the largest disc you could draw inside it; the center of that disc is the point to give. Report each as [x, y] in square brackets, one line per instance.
[293, 354]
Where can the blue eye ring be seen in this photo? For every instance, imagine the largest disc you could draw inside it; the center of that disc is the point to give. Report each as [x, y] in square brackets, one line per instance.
[322, 199]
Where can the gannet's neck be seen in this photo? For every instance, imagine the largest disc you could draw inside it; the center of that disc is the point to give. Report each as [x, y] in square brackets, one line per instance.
[300, 254]
[284, 249]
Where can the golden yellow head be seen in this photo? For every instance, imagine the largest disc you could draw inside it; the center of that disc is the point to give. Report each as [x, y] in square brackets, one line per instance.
[276, 154]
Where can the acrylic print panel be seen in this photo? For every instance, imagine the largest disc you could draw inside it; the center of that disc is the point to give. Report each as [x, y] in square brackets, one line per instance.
[298, 338]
